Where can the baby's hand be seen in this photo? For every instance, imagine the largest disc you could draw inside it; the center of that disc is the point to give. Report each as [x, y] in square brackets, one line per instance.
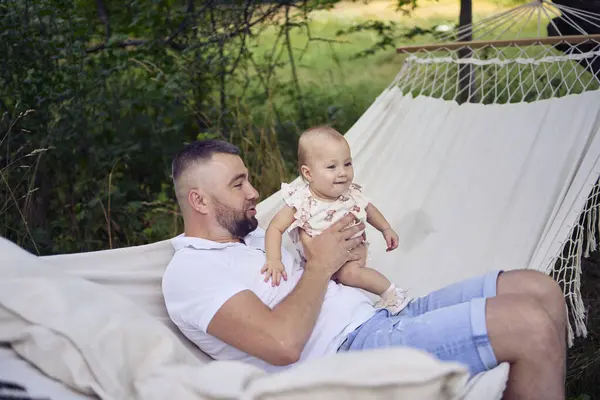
[275, 270]
[391, 239]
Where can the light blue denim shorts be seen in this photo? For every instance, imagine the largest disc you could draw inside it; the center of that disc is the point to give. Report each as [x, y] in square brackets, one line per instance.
[448, 323]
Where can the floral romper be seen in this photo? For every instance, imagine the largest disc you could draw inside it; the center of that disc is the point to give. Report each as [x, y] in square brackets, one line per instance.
[314, 215]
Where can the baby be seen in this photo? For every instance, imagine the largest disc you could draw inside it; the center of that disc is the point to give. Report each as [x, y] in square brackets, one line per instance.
[327, 193]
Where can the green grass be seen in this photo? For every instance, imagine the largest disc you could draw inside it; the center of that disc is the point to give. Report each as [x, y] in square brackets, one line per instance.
[329, 75]
[331, 79]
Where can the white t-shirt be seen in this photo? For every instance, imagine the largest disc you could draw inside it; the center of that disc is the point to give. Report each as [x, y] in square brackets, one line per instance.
[204, 274]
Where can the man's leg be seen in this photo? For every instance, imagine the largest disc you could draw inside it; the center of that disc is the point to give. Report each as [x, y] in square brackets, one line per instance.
[533, 285]
[448, 323]
[482, 286]
[529, 283]
[480, 334]
[542, 288]
[522, 333]
[457, 323]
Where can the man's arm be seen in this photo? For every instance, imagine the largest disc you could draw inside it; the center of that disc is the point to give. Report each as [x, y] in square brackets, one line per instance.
[278, 336]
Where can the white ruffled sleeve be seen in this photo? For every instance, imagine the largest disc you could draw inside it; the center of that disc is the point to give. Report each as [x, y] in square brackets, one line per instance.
[293, 195]
[356, 191]
[297, 196]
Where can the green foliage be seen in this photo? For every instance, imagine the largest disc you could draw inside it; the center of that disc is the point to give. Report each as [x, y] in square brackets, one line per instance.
[97, 96]
[109, 120]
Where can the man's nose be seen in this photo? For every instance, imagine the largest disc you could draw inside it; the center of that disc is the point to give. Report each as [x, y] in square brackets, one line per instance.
[252, 193]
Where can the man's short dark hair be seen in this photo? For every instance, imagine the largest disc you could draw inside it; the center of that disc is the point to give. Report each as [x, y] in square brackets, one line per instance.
[201, 150]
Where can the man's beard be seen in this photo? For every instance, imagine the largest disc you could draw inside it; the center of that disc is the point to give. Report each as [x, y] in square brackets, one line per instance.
[236, 222]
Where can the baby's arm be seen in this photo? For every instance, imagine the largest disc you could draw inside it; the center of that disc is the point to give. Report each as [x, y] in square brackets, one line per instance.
[376, 218]
[279, 224]
[378, 221]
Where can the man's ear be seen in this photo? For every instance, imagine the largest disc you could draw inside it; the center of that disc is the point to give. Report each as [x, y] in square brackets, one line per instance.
[305, 171]
[197, 200]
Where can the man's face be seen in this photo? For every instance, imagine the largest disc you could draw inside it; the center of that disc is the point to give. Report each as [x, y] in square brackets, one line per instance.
[232, 196]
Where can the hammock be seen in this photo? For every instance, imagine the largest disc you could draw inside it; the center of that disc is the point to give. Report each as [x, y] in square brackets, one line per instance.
[487, 157]
[483, 158]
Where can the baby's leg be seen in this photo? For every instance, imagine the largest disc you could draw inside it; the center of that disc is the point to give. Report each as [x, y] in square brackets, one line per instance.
[354, 274]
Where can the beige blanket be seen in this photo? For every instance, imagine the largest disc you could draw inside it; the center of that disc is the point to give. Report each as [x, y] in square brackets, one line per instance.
[102, 344]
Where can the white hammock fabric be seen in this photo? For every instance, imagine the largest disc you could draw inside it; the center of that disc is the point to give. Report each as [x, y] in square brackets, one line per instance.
[507, 180]
[475, 187]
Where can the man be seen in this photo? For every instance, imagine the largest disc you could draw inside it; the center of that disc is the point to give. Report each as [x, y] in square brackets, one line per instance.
[215, 294]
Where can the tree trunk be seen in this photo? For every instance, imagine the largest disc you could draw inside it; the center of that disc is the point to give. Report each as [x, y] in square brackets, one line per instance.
[466, 73]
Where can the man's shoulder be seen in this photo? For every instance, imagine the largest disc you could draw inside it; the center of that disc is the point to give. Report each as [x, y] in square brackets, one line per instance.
[182, 242]
[187, 257]
[188, 262]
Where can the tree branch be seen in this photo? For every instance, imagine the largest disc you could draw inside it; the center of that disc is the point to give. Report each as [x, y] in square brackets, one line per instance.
[236, 62]
[189, 17]
[241, 28]
[132, 43]
[295, 81]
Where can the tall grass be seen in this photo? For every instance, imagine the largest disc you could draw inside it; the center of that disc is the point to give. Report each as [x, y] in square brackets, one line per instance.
[18, 166]
[147, 221]
[261, 150]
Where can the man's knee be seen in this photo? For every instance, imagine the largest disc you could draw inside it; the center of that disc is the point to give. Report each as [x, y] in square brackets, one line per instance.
[535, 283]
[519, 325]
[546, 290]
[539, 324]
[547, 287]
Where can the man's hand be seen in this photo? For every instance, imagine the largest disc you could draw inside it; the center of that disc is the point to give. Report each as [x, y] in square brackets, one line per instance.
[391, 239]
[275, 270]
[331, 249]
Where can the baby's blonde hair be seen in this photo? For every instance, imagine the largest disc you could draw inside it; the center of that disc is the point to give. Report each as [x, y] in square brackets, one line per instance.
[311, 134]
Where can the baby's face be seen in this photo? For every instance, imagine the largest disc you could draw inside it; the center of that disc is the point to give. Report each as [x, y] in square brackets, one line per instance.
[331, 168]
